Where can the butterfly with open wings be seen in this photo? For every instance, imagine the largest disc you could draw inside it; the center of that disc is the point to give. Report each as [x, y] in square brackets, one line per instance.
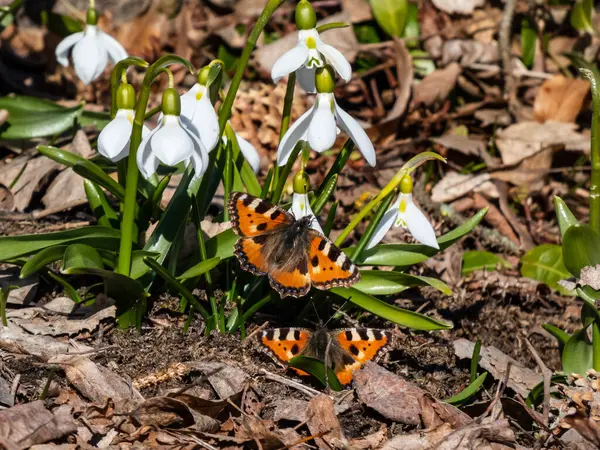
[293, 255]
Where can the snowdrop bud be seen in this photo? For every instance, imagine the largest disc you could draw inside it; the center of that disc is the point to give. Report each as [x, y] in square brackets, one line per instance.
[171, 102]
[306, 19]
[324, 79]
[406, 184]
[301, 182]
[125, 96]
[91, 17]
[203, 75]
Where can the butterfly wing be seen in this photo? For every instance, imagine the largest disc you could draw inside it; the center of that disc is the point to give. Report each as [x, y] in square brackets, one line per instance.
[360, 345]
[328, 266]
[293, 283]
[285, 343]
[253, 216]
[248, 251]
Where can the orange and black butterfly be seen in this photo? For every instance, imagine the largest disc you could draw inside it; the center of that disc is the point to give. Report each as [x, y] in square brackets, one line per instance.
[343, 350]
[293, 255]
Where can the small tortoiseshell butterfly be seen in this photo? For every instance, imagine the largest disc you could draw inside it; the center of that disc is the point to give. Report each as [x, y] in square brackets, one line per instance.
[349, 348]
[294, 256]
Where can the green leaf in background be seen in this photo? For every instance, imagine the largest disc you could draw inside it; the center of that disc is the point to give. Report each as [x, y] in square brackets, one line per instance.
[536, 396]
[68, 289]
[366, 33]
[391, 15]
[528, 41]
[12, 247]
[581, 248]
[106, 216]
[561, 336]
[577, 354]
[389, 312]
[41, 259]
[409, 254]
[564, 215]
[545, 263]
[581, 16]
[411, 30]
[317, 369]
[221, 245]
[97, 119]
[475, 360]
[467, 392]
[379, 282]
[199, 269]
[60, 24]
[78, 256]
[27, 122]
[480, 260]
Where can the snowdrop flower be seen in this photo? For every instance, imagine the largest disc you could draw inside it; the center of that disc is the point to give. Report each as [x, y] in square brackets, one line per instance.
[406, 214]
[171, 142]
[310, 53]
[91, 50]
[300, 204]
[248, 151]
[319, 125]
[113, 141]
[198, 113]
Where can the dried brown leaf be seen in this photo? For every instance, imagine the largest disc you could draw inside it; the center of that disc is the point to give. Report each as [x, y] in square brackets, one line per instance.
[163, 412]
[14, 339]
[560, 99]
[226, 380]
[436, 86]
[455, 185]
[458, 6]
[323, 422]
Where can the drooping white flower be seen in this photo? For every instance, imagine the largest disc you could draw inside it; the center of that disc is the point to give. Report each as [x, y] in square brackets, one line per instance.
[198, 114]
[91, 50]
[319, 126]
[113, 141]
[301, 208]
[248, 151]
[405, 213]
[310, 53]
[171, 142]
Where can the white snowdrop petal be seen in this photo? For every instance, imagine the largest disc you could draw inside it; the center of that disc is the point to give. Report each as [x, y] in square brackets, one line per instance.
[336, 59]
[250, 153]
[353, 129]
[419, 226]
[301, 208]
[384, 225]
[64, 48]
[306, 79]
[89, 58]
[113, 141]
[206, 121]
[295, 133]
[146, 161]
[172, 144]
[116, 52]
[199, 157]
[322, 129]
[188, 102]
[289, 62]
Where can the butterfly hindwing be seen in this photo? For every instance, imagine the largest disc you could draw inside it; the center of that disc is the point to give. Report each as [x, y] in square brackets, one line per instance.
[328, 265]
[285, 343]
[253, 216]
[249, 253]
[362, 344]
[294, 283]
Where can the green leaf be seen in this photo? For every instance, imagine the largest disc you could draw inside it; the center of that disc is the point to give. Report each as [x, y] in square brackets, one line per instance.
[316, 368]
[326, 191]
[60, 24]
[536, 395]
[528, 41]
[379, 282]
[564, 215]
[68, 289]
[29, 117]
[411, 30]
[479, 260]
[106, 216]
[557, 333]
[409, 254]
[12, 247]
[81, 256]
[577, 353]
[389, 312]
[581, 16]
[85, 168]
[581, 248]
[390, 15]
[41, 259]
[544, 263]
[221, 245]
[94, 118]
[138, 266]
[467, 392]
[200, 268]
[475, 360]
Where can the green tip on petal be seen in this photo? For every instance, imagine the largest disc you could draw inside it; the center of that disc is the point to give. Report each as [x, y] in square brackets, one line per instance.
[171, 103]
[306, 18]
[203, 75]
[301, 182]
[406, 184]
[125, 96]
[91, 18]
[325, 79]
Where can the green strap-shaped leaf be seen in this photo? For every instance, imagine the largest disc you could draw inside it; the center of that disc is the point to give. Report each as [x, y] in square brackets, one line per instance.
[479, 260]
[467, 392]
[391, 15]
[106, 216]
[545, 263]
[577, 353]
[564, 215]
[81, 256]
[316, 368]
[45, 256]
[561, 336]
[379, 282]
[200, 268]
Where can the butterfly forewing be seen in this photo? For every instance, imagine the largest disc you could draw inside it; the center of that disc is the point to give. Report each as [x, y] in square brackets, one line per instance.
[253, 216]
[285, 343]
[328, 265]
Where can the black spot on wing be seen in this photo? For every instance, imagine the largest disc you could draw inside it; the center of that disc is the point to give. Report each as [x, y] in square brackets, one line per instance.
[348, 335]
[247, 200]
[295, 349]
[362, 332]
[347, 264]
[303, 266]
[269, 334]
[260, 240]
[261, 226]
[354, 350]
[334, 253]
[314, 261]
[262, 207]
[296, 335]
[275, 214]
[322, 245]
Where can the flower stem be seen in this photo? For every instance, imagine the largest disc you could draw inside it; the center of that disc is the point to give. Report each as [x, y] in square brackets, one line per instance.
[596, 345]
[406, 169]
[595, 151]
[285, 118]
[277, 192]
[265, 15]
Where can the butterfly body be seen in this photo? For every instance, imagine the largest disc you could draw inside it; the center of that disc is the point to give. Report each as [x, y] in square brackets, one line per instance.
[343, 350]
[292, 254]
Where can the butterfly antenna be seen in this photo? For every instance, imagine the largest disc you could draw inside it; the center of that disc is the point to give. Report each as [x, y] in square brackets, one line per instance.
[338, 310]
[316, 312]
